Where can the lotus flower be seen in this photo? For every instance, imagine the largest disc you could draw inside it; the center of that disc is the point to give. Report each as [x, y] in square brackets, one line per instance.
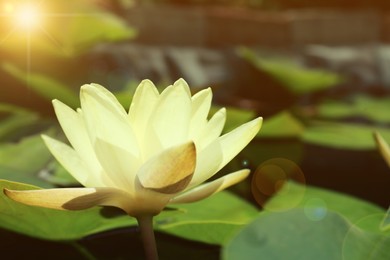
[160, 152]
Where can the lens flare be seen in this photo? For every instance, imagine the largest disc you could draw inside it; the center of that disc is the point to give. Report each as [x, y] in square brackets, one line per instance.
[27, 17]
[315, 209]
[270, 177]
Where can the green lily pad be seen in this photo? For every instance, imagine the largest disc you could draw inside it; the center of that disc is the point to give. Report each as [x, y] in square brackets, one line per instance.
[298, 195]
[281, 125]
[296, 79]
[343, 135]
[292, 235]
[45, 86]
[19, 161]
[213, 220]
[17, 125]
[385, 225]
[303, 222]
[373, 109]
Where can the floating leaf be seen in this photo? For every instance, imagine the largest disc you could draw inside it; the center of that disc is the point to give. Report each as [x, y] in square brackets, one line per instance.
[213, 220]
[365, 107]
[24, 160]
[45, 86]
[292, 235]
[311, 223]
[281, 125]
[343, 135]
[385, 225]
[16, 125]
[350, 207]
[297, 79]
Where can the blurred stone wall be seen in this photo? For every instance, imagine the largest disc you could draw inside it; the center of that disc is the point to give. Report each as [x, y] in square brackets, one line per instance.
[220, 27]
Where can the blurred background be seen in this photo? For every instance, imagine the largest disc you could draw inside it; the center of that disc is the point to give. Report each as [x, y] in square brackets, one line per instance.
[317, 71]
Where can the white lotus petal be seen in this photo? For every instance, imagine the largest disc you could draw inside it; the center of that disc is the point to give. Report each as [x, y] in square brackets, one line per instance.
[169, 123]
[207, 163]
[76, 198]
[212, 130]
[103, 94]
[208, 189]
[144, 100]
[170, 171]
[184, 85]
[201, 103]
[72, 162]
[233, 142]
[120, 165]
[74, 128]
[104, 121]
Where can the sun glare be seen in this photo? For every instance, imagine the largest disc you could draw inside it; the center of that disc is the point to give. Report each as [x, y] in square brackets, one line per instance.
[27, 17]
[8, 7]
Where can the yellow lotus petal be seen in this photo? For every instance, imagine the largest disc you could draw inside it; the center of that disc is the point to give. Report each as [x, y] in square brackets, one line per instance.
[71, 161]
[212, 130]
[208, 189]
[104, 95]
[233, 142]
[57, 198]
[207, 163]
[80, 199]
[105, 121]
[383, 147]
[75, 130]
[170, 171]
[170, 120]
[121, 165]
[144, 100]
[201, 103]
[181, 83]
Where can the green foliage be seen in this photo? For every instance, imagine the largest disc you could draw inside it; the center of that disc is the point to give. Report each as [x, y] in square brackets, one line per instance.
[310, 223]
[343, 135]
[16, 122]
[281, 125]
[213, 220]
[20, 161]
[296, 79]
[44, 85]
[365, 107]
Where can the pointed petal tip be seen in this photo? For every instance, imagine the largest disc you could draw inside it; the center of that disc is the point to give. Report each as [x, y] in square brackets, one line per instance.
[383, 147]
[180, 81]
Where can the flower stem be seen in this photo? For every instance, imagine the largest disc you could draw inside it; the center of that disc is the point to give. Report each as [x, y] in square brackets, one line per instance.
[145, 224]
